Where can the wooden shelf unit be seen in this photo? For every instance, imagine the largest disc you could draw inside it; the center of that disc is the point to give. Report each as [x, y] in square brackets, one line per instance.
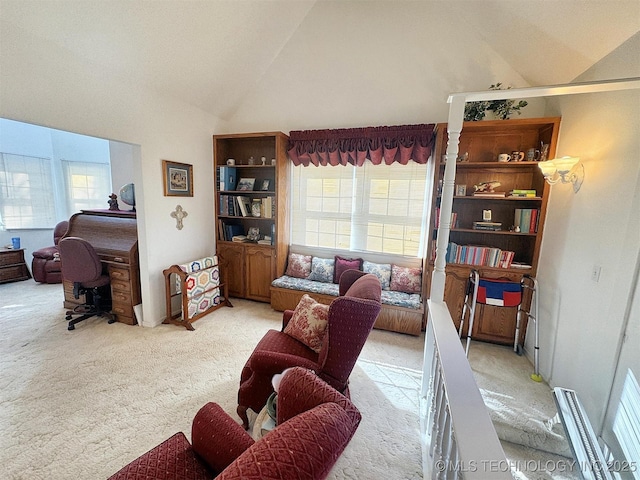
[484, 140]
[13, 267]
[252, 267]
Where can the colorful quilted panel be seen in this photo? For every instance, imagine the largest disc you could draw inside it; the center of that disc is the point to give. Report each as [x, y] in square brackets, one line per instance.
[203, 301]
[208, 276]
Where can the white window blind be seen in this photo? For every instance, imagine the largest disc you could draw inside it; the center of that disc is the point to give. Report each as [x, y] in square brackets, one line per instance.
[26, 192]
[87, 185]
[373, 208]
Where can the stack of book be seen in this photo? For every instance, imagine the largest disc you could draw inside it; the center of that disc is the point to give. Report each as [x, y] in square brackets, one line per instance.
[490, 226]
[239, 238]
[523, 193]
[526, 219]
[490, 194]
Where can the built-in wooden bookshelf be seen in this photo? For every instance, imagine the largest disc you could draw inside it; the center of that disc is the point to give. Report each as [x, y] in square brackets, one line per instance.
[480, 144]
[261, 157]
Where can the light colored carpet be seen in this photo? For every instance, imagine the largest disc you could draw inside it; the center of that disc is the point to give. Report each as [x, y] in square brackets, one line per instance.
[82, 404]
[520, 410]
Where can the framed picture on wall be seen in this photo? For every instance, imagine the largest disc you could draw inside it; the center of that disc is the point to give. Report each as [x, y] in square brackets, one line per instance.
[177, 178]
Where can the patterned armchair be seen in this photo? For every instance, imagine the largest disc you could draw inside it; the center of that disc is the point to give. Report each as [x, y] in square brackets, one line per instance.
[350, 319]
[315, 424]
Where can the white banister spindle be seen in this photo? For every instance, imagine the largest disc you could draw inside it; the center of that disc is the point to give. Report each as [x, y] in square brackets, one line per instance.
[454, 127]
[459, 438]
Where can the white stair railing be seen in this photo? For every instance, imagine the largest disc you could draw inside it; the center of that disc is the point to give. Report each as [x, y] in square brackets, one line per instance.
[459, 440]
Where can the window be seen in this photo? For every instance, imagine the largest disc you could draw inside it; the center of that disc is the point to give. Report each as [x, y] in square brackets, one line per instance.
[47, 175]
[26, 192]
[373, 208]
[87, 184]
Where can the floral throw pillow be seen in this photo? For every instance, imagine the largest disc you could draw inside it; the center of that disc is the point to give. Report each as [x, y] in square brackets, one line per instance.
[406, 279]
[309, 323]
[380, 270]
[322, 270]
[298, 266]
[342, 264]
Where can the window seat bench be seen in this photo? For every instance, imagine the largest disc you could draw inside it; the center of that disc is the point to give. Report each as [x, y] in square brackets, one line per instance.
[401, 312]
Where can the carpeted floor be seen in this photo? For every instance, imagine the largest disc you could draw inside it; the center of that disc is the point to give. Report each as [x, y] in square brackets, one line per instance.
[81, 404]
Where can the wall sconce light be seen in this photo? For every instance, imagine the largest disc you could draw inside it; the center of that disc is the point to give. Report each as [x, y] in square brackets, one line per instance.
[565, 170]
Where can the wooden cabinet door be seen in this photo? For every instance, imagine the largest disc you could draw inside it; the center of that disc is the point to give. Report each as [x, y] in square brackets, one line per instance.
[259, 272]
[233, 255]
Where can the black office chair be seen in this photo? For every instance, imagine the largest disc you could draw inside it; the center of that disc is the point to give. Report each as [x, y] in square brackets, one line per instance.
[81, 265]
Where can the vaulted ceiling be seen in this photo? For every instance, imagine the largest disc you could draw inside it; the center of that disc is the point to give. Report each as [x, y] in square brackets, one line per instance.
[214, 54]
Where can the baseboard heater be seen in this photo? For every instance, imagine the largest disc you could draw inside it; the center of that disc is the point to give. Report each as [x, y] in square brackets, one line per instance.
[582, 439]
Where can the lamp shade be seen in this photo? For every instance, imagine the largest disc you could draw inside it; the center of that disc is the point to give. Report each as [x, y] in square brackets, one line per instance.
[548, 168]
[565, 164]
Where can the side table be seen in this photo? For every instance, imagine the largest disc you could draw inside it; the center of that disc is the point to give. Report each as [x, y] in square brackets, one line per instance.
[12, 265]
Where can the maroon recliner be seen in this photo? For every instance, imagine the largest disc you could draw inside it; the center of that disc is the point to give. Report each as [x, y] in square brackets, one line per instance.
[46, 261]
[350, 319]
[314, 425]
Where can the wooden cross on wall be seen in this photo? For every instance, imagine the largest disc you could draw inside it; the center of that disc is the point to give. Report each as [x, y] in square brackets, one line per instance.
[179, 214]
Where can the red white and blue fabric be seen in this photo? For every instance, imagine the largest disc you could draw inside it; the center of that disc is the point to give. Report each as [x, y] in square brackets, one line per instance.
[500, 293]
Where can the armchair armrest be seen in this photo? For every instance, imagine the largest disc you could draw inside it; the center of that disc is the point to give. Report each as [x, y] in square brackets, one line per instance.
[287, 315]
[269, 363]
[284, 452]
[217, 438]
[301, 390]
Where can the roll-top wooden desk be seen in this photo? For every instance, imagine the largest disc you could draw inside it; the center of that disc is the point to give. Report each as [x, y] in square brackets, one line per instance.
[114, 236]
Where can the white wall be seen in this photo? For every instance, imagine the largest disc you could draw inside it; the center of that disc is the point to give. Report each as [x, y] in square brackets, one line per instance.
[582, 321]
[45, 85]
[398, 68]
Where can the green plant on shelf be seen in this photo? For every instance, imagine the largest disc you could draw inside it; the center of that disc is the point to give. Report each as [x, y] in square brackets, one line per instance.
[502, 109]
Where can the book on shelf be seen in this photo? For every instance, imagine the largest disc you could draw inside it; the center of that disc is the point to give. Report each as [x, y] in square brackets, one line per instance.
[244, 204]
[264, 241]
[490, 226]
[490, 194]
[227, 178]
[239, 238]
[523, 193]
[227, 206]
[479, 255]
[454, 218]
[230, 230]
[267, 207]
[526, 219]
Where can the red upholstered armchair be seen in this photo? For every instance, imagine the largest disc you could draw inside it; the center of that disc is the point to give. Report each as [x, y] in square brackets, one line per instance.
[315, 424]
[46, 262]
[350, 319]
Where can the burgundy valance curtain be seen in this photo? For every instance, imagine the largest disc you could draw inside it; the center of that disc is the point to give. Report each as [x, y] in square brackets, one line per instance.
[354, 145]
